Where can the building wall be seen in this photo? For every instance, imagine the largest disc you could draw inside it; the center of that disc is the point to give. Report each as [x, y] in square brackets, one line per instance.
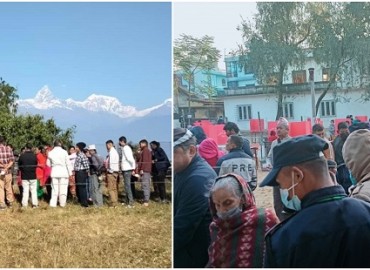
[302, 109]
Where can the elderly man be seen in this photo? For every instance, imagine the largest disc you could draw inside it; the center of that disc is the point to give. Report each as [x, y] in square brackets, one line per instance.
[238, 162]
[193, 180]
[282, 131]
[329, 229]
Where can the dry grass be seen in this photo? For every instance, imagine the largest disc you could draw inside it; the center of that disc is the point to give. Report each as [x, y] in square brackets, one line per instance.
[76, 237]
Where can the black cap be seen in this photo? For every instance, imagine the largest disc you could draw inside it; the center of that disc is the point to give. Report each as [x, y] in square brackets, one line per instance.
[294, 151]
[81, 145]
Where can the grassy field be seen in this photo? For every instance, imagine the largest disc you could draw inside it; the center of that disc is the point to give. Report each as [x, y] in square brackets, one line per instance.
[75, 237]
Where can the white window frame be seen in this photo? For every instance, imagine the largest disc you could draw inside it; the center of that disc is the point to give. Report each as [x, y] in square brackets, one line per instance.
[244, 112]
[328, 108]
[288, 110]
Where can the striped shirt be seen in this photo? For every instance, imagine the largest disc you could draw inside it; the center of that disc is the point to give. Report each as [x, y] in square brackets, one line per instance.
[81, 162]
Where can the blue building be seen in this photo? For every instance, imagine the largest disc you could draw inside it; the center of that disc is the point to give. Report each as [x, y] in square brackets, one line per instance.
[238, 73]
[215, 79]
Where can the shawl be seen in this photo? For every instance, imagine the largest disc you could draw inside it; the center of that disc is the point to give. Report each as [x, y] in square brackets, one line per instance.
[208, 149]
[239, 241]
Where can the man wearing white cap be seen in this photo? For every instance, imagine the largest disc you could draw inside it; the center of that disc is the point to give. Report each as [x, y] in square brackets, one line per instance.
[193, 180]
[96, 164]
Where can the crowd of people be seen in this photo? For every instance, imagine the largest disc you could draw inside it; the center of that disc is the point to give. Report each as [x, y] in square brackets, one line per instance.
[55, 173]
[321, 191]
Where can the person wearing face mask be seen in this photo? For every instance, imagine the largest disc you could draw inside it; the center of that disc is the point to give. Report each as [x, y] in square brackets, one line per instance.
[238, 226]
[356, 151]
[329, 228]
[343, 175]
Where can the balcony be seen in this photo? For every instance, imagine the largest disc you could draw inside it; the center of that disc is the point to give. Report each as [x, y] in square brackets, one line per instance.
[265, 89]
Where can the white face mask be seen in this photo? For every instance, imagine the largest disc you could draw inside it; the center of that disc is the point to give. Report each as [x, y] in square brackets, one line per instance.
[230, 213]
[294, 203]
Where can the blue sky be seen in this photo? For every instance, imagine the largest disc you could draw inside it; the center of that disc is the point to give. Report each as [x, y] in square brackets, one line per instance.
[115, 49]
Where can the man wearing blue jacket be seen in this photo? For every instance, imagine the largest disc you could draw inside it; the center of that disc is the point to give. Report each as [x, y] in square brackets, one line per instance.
[193, 180]
[238, 162]
[329, 229]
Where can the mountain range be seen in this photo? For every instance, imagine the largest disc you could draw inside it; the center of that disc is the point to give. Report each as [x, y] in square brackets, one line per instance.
[100, 118]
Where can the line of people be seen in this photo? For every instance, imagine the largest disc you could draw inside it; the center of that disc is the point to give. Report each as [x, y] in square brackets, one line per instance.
[52, 174]
[217, 223]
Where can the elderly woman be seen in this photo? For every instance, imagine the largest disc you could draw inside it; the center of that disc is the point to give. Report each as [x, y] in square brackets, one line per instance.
[238, 227]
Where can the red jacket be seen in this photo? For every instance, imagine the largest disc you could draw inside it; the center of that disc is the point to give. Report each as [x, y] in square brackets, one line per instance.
[41, 162]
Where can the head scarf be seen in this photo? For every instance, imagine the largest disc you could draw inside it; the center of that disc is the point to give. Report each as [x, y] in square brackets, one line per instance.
[208, 149]
[239, 241]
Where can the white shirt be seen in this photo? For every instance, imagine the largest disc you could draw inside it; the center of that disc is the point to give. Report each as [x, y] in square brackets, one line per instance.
[72, 159]
[113, 160]
[128, 161]
[59, 162]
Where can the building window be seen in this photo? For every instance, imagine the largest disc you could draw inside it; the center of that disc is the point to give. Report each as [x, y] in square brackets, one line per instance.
[326, 74]
[244, 112]
[299, 76]
[232, 69]
[288, 110]
[223, 82]
[328, 108]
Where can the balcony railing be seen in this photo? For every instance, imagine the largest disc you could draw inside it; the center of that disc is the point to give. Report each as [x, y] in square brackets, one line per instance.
[264, 89]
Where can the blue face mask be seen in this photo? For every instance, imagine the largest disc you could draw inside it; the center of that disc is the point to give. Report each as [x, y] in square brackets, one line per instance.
[230, 213]
[294, 203]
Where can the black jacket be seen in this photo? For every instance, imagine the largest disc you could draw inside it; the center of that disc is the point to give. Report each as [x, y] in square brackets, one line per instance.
[27, 165]
[160, 158]
[331, 230]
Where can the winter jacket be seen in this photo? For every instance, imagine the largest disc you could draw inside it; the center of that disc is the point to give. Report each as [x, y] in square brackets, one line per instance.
[331, 230]
[161, 160]
[191, 214]
[238, 162]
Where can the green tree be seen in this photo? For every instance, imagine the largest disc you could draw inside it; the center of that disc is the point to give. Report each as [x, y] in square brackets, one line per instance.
[193, 54]
[21, 129]
[275, 40]
[8, 98]
[340, 42]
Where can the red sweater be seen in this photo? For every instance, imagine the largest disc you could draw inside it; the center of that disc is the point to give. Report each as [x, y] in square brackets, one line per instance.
[145, 160]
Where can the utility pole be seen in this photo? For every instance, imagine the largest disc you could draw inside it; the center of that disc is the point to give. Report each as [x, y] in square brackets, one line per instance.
[313, 103]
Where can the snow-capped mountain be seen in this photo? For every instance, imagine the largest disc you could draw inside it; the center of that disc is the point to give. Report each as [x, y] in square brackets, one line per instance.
[100, 118]
[45, 100]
